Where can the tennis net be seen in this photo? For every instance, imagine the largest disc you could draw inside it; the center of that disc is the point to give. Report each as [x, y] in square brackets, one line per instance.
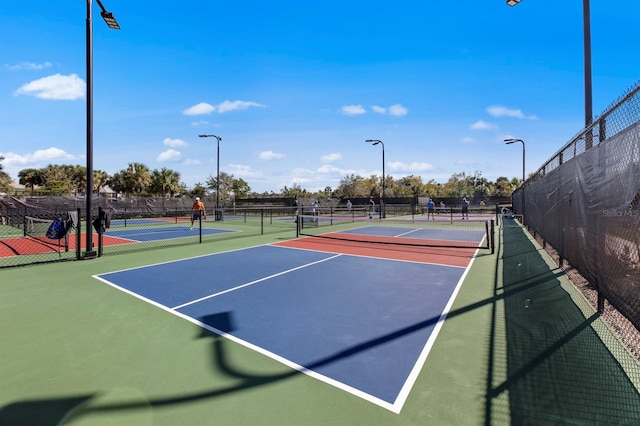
[36, 228]
[471, 234]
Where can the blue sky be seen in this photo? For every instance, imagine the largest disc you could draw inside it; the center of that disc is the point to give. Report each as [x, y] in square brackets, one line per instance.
[294, 88]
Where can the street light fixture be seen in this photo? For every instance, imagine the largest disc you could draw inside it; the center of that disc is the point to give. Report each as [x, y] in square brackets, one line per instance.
[509, 142]
[588, 92]
[382, 204]
[113, 24]
[218, 138]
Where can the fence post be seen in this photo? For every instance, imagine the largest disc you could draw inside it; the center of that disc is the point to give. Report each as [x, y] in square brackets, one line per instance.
[78, 235]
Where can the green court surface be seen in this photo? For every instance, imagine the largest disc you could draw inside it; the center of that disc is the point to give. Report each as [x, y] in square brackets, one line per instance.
[520, 346]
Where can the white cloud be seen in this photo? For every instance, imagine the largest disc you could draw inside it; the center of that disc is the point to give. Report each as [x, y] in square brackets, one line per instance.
[221, 108]
[398, 166]
[244, 171]
[467, 140]
[329, 158]
[169, 155]
[199, 123]
[28, 66]
[270, 155]
[55, 87]
[353, 110]
[398, 110]
[501, 111]
[483, 125]
[227, 106]
[174, 143]
[199, 109]
[327, 169]
[39, 156]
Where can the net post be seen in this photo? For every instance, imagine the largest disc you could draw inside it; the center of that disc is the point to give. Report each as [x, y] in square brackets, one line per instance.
[100, 227]
[78, 236]
[493, 237]
[200, 227]
[262, 221]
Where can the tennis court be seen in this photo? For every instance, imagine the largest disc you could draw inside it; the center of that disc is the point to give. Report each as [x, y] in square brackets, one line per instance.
[351, 325]
[121, 231]
[359, 318]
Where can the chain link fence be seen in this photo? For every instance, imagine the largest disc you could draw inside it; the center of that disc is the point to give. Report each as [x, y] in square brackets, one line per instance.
[585, 203]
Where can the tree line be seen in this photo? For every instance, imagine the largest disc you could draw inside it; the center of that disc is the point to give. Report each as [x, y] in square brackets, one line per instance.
[138, 179]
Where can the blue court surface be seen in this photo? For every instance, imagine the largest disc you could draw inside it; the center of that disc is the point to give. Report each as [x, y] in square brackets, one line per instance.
[364, 325]
[160, 233]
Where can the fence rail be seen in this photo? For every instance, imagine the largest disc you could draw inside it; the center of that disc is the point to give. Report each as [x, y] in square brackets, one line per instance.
[585, 202]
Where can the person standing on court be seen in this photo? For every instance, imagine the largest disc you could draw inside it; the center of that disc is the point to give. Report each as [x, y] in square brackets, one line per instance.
[313, 210]
[372, 207]
[197, 211]
[465, 208]
[349, 205]
[431, 209]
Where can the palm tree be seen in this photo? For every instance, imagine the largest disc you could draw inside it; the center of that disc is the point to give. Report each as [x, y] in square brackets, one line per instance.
[165, 181]
[100, 179]
[138, 177]
[79, 179]
[30, 178]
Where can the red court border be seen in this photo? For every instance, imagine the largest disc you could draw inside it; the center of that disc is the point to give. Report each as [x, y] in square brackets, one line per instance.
[435, 255]
[20, 246]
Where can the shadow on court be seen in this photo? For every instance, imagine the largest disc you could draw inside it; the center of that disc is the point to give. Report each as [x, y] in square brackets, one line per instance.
[558, 369]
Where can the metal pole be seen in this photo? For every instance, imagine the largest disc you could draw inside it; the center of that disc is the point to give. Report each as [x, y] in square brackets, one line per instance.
[509, 142]
[523, 177]
[218, 138]
[218, 176]
[382, 203]
[89, 253]
[588, 102]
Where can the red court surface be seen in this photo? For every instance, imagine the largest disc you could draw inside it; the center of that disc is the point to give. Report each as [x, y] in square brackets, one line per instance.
[436, 255]
[20, 246]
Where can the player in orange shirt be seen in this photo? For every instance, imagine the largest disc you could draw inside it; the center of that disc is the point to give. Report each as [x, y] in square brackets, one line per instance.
[197, 210]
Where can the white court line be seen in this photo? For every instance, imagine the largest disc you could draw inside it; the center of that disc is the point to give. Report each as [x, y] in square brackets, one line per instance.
[395, 407]
[408, 232]
[254, 282]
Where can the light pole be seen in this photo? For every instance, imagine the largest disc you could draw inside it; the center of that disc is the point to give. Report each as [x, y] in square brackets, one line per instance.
[113, 24]
[586, 23]
[382, 204]
[509, 142]
[218, 138]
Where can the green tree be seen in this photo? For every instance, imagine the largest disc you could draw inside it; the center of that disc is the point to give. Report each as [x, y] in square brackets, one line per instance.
[199, 190]
[503, 187]
[134, 179]
[30, 178]
[5, 182]
[296, 191]
[226, 183]
[165, 181]
[100, 180]
[79, 179]
[240, 188]
[351, 186]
